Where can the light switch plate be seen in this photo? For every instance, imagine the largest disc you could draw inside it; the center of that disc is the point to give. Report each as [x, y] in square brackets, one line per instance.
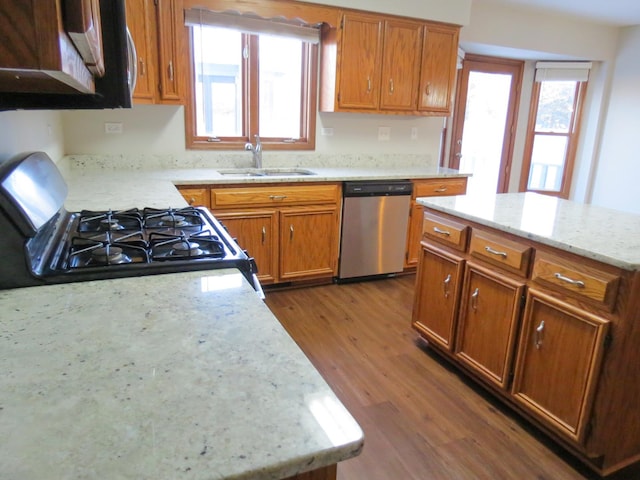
[113, 127]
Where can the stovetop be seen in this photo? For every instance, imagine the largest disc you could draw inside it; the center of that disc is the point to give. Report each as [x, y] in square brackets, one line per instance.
[109, 244]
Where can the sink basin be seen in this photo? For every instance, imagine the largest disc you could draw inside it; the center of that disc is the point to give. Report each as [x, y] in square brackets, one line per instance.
[264, 172]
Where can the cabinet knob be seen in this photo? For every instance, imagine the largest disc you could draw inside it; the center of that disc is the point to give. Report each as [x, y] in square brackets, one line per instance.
[192, 201]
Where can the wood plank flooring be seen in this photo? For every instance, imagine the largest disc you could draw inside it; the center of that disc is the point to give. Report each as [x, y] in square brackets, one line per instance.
[422, 418]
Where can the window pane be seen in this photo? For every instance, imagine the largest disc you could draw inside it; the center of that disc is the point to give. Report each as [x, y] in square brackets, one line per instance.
[280, 87]
[555, 107]
[547, 162]
[218, 85]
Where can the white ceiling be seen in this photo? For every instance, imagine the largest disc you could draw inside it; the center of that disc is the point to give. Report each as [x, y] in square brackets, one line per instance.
[609, 12]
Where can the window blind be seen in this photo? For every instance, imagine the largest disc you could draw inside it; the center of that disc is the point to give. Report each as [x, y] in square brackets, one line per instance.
[253, 24]
[562, 71]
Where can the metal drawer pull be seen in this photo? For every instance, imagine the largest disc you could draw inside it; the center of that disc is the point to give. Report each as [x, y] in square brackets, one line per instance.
[496, 252]
[290, 232]
[474, 299]
[368, 84]
[428, 89]
[577, 283]
[539, 336]
[445, 285]
[441, 189]
[441, 232]
[391, 89]
[171, 71]
[264, 234]
[277, 197]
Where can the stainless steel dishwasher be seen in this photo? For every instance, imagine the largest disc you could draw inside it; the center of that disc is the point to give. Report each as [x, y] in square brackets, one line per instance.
[375, 216]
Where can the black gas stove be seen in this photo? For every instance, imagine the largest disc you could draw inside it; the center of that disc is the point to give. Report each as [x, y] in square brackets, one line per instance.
[43, 243]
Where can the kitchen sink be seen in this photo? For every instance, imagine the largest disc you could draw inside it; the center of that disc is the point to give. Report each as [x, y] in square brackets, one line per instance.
[264, 172]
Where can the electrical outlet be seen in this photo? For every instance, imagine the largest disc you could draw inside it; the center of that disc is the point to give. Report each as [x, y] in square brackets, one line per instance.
[384, 134]
[113, 127]
[327, 131]
[414, 133]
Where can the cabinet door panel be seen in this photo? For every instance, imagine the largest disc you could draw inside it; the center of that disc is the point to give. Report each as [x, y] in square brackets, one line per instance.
[437, 293]
[490, 305]
[170, 45]
[257, 233]
[559, 357]
[308, 242]
[141, 20]
[400, 60]
[360, 58]
[439, 56]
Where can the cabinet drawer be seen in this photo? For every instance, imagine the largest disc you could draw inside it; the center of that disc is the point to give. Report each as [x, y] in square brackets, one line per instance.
[440, 187]
[274, 195]
[576, 280]
[498, 251]
[445, 231]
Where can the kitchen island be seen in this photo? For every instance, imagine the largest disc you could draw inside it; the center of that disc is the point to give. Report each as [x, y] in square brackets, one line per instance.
[538, 299]
[184, 375]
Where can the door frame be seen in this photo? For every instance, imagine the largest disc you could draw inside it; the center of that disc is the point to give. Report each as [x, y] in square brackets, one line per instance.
[483, 63]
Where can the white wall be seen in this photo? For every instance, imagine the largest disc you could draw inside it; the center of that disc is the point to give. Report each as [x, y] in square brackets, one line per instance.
[617, 178]
[22, 131]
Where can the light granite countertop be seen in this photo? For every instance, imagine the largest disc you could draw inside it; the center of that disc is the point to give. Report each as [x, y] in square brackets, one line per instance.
[185, 375]
[606, 235]
[94, 188]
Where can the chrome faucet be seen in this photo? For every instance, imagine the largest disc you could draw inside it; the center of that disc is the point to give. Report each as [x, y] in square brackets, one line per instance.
[256, 151]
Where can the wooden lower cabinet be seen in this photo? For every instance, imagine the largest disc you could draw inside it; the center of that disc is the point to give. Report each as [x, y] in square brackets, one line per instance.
[292, 232]
[553, 334]
[307, 242]
[430, 187]
[257, 232]
[559, 359]
[488, 322]
[195, 197]
[437, 294]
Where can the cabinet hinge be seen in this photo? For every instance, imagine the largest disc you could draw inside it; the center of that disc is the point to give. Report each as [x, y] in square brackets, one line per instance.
[523, 300]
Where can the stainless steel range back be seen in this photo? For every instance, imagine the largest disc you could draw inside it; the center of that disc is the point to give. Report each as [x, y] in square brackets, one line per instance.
[32, 193]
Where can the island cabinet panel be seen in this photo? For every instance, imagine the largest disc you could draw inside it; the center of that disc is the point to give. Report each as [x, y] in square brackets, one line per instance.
[437, 294]
[424, 188]
[257, 233]
[552, 333]
[488, 322]
[559, 359]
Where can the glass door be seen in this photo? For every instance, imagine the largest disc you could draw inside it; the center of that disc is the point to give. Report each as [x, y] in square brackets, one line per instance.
[484, 121]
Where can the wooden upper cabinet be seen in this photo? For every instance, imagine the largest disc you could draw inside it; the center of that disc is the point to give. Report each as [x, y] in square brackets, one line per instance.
[141, 20]
[155, 28]
[361, 55]
[384, 64]
[438, 69]
[36, 54]
[400, 65]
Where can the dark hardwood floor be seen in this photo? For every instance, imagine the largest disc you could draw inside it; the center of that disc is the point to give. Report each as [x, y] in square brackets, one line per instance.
[422, 418]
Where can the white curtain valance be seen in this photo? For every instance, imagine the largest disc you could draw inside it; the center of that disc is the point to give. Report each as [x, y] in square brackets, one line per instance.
[253, 24]
[562, 71]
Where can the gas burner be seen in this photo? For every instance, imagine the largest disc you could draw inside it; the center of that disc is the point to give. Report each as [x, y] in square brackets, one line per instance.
[173, 221]
[170, 218]
[186, 248]
[109, 256]
[109, 221]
